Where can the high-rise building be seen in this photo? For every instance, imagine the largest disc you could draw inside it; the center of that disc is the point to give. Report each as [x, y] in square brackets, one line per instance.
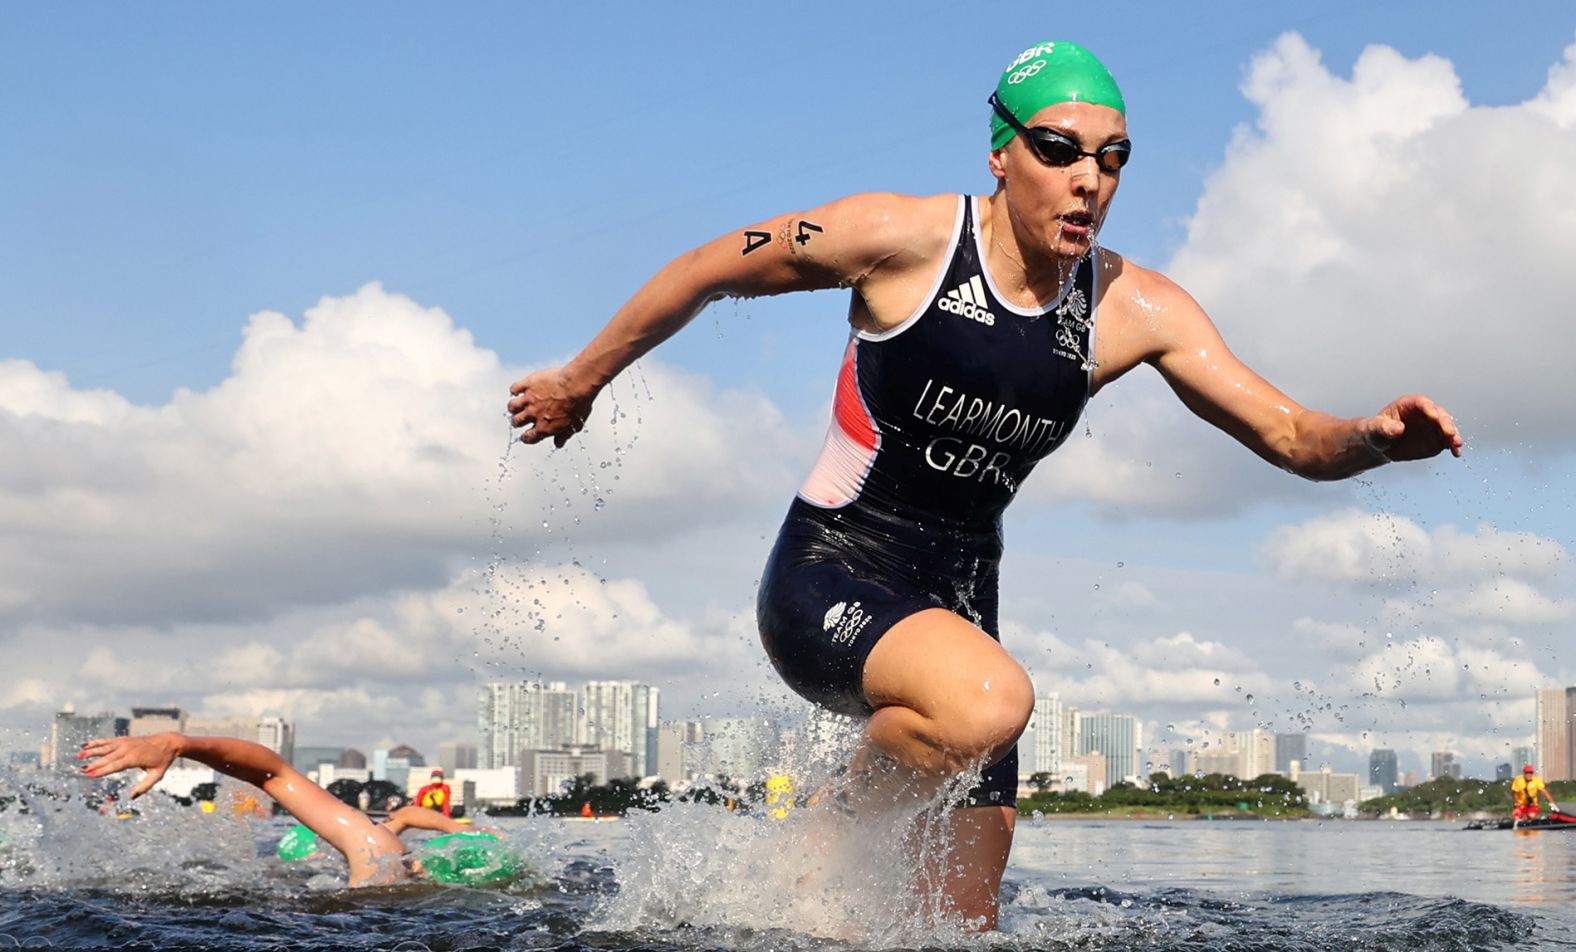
[243, 727]
[1118, 737]
[676, 743]
[653, 726]
[69, 730]
[1520, 757]
[1217, 761]
[1443, 764]
[1254, 754]
[1261, 754]
[517, 716]
[1554, 734]
[308, 759]
[1384, 770]
[1290, 747]
[621, 716]
[456, 755]
[546, 773]
[278, 735]
[737, 747]
[1040, 750]
[352, 759]
[1325, 786]
[1069, 737]
[395, 764]
[146, 721]
[1570, 733]
[1504, 772]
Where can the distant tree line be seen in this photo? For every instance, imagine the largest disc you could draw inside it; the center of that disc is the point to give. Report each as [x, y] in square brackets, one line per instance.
[1447, 795]
[1266, 795]
[622, 794]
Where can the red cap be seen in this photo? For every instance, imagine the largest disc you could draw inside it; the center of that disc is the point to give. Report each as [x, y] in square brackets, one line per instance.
[1528, 769]
[438, 771]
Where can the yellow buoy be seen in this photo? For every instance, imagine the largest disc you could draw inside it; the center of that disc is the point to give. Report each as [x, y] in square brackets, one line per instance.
[779, 796]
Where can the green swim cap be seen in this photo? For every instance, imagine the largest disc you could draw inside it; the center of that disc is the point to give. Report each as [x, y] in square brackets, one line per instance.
[299, 843]
[1048, 73]
[467, 858]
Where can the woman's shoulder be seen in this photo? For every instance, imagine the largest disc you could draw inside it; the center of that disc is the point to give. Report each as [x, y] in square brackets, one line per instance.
[894, 211]
[891, 230]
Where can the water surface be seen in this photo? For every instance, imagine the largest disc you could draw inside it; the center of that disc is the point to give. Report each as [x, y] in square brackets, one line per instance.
[700, 879]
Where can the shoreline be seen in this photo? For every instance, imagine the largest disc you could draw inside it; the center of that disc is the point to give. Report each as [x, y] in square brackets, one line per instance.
[1233, 817]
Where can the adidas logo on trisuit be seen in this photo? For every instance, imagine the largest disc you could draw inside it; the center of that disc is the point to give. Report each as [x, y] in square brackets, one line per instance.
[968, 300]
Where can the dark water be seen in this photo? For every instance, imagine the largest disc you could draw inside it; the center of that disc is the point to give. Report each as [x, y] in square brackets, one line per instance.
[699, 879]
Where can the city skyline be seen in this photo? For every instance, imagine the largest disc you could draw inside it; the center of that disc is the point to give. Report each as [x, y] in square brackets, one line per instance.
[550, 715]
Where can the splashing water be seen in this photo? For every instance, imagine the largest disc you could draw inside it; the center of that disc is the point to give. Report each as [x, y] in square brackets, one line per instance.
[869, 878]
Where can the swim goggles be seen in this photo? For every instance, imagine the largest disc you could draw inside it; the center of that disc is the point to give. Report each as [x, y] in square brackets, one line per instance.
[1057, 150]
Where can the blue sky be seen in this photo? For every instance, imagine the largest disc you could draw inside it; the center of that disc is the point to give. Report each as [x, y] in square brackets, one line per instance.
[167, 172]
[171, 169]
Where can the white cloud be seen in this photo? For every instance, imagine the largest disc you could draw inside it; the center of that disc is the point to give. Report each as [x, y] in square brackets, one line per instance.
[1380, 548]
[1333, 639]
[1179, 670]
[29, 692]
[1379, 235]
[1348, 546]
[1507, 601]
[357, 453]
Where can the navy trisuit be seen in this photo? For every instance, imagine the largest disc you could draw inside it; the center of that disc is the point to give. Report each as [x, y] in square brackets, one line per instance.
[935, 424]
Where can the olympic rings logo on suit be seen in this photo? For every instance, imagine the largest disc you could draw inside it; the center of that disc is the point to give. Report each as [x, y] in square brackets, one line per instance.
[1026, 72]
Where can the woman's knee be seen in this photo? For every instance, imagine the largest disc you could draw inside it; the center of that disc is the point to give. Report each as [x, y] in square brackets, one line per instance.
[986, 719]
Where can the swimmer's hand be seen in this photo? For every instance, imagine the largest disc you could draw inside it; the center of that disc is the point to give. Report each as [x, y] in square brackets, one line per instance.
[111, 755]
[550, 403]
[1412, 427]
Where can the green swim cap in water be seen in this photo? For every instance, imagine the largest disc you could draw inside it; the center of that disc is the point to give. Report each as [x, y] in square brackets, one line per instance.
[1048, 73]
[299, 843]
[467, 858]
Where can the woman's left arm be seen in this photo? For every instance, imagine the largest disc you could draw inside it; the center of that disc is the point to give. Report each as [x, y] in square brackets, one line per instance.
[1195, 361]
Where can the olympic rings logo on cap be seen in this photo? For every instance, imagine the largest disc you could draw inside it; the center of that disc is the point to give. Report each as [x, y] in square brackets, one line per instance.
[1026, 72]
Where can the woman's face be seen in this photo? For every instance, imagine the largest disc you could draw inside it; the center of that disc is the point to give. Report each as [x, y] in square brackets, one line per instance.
[1057, 210]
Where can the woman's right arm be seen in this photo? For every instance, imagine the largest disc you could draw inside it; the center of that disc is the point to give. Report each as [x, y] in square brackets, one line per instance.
[837, 245]
[365, 844]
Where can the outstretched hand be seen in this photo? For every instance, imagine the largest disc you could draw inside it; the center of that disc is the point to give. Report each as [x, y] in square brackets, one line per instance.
[1413, 427]
[550, 404]
[111, 755]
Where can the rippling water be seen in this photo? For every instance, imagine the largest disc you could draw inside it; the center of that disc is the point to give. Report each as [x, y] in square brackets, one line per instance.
[696, 878]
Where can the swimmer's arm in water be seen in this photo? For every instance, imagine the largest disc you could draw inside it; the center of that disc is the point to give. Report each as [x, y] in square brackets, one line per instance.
[422, 818]
[841, 244]
[1189, 352]
[366, 845]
